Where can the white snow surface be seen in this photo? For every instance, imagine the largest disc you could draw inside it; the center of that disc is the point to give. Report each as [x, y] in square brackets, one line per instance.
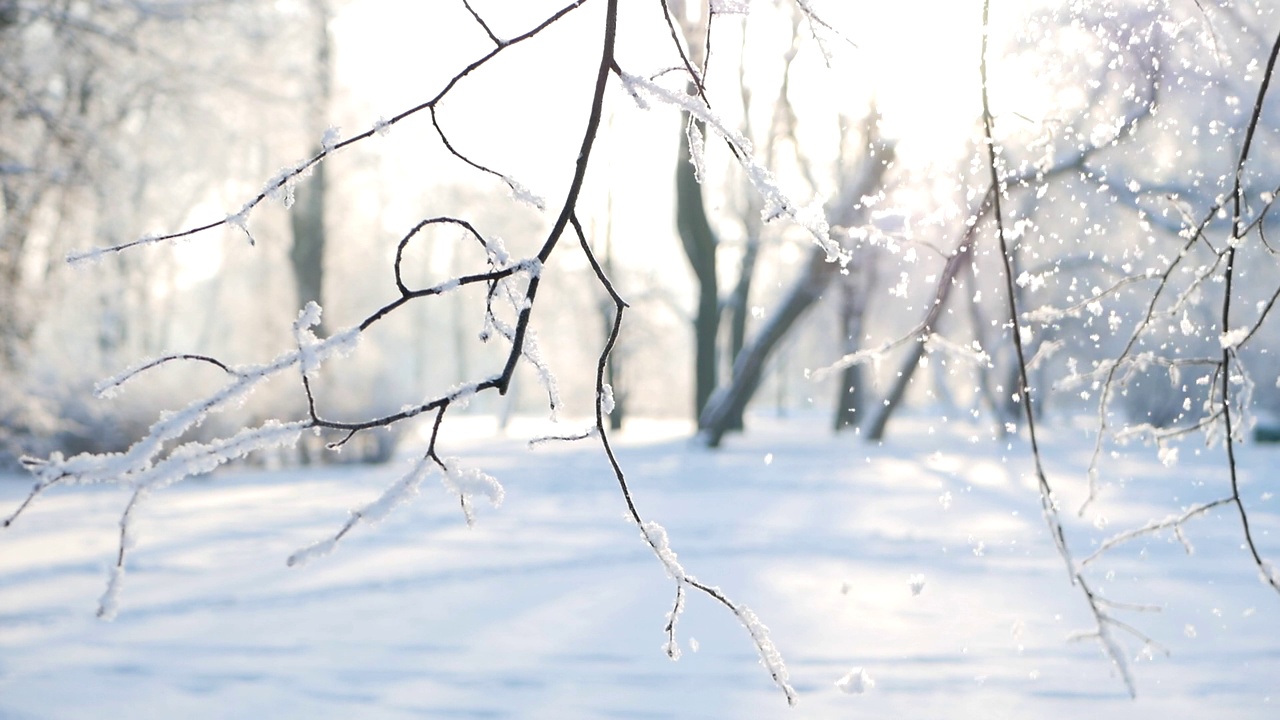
[551, 607]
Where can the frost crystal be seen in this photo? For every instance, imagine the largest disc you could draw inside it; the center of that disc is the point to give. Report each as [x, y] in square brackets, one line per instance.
[606, 399]
[312, 551]
[109, 604]
[916, 583]
[281, 186]
[769, 655]
[697, 152]
[524, 194]
[656, 536]
[468, 482]
[671, 647]
[1233, 338]
[1187, 327]
[855, 682]
[403, 490]
[332, 136]
[776, 202]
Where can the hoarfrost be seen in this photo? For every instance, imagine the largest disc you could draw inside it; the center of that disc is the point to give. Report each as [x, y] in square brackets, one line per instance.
[972, 353]
[769, 655]
[311, 552]
[94, 256]
[697, 152]
[1188, 328]
[776, 202]
[469, 482]
[400, 492]
[1116, 653]
[916, 583]
[671, 647]
[855, 682]
[524, 194]
[656, 536]
[240, 219]
[332, 136]
[281, 186]
[1232, 338]
[109, 603]
[606, 399]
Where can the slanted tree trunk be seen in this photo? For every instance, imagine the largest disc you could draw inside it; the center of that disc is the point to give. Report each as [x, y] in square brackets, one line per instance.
[959, 260]
[730, 402]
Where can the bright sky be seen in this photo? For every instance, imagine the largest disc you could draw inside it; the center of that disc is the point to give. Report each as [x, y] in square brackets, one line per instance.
[917, 60]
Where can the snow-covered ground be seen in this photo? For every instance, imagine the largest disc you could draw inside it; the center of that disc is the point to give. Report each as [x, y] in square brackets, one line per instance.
[552, 607]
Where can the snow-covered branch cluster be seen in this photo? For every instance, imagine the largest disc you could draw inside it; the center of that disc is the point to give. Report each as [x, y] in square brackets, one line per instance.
[165, 454]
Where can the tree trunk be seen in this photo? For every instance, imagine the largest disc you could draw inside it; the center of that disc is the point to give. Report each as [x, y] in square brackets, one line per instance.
[306, 256]
[730, 402]
[962, 258]
[306, 217]
[739, 302]
[699, 242]
[851, 393]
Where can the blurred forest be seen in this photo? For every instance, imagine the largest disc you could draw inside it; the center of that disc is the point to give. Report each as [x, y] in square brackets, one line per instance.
[1118, 127]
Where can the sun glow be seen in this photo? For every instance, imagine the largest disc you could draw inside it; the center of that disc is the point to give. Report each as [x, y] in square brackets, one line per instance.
[919, 63]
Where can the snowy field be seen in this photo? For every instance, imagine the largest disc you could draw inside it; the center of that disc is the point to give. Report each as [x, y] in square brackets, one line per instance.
[552, 607]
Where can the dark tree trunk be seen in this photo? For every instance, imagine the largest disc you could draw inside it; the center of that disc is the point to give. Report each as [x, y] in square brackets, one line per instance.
[727, 405]
[699, 242]
[306, 219]
[851, 392]
[739, 302]
[962, 258]
[730, 402]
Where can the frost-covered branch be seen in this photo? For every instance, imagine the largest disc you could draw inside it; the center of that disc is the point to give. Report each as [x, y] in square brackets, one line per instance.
[1173, 521]
[1229, 349]
[653, 534]
[280, 186]
[777, 203]
[166, 454]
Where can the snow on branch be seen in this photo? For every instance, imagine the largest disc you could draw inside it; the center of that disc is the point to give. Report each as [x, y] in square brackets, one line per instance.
[165, 454]
[777, 203]
[1173, 521]
[280, 186]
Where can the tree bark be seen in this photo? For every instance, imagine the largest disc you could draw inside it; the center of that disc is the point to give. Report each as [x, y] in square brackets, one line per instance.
[851, 394]
[306, 217]
[960, 259]
[731, 401]
[728, 404]
[699, 242]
